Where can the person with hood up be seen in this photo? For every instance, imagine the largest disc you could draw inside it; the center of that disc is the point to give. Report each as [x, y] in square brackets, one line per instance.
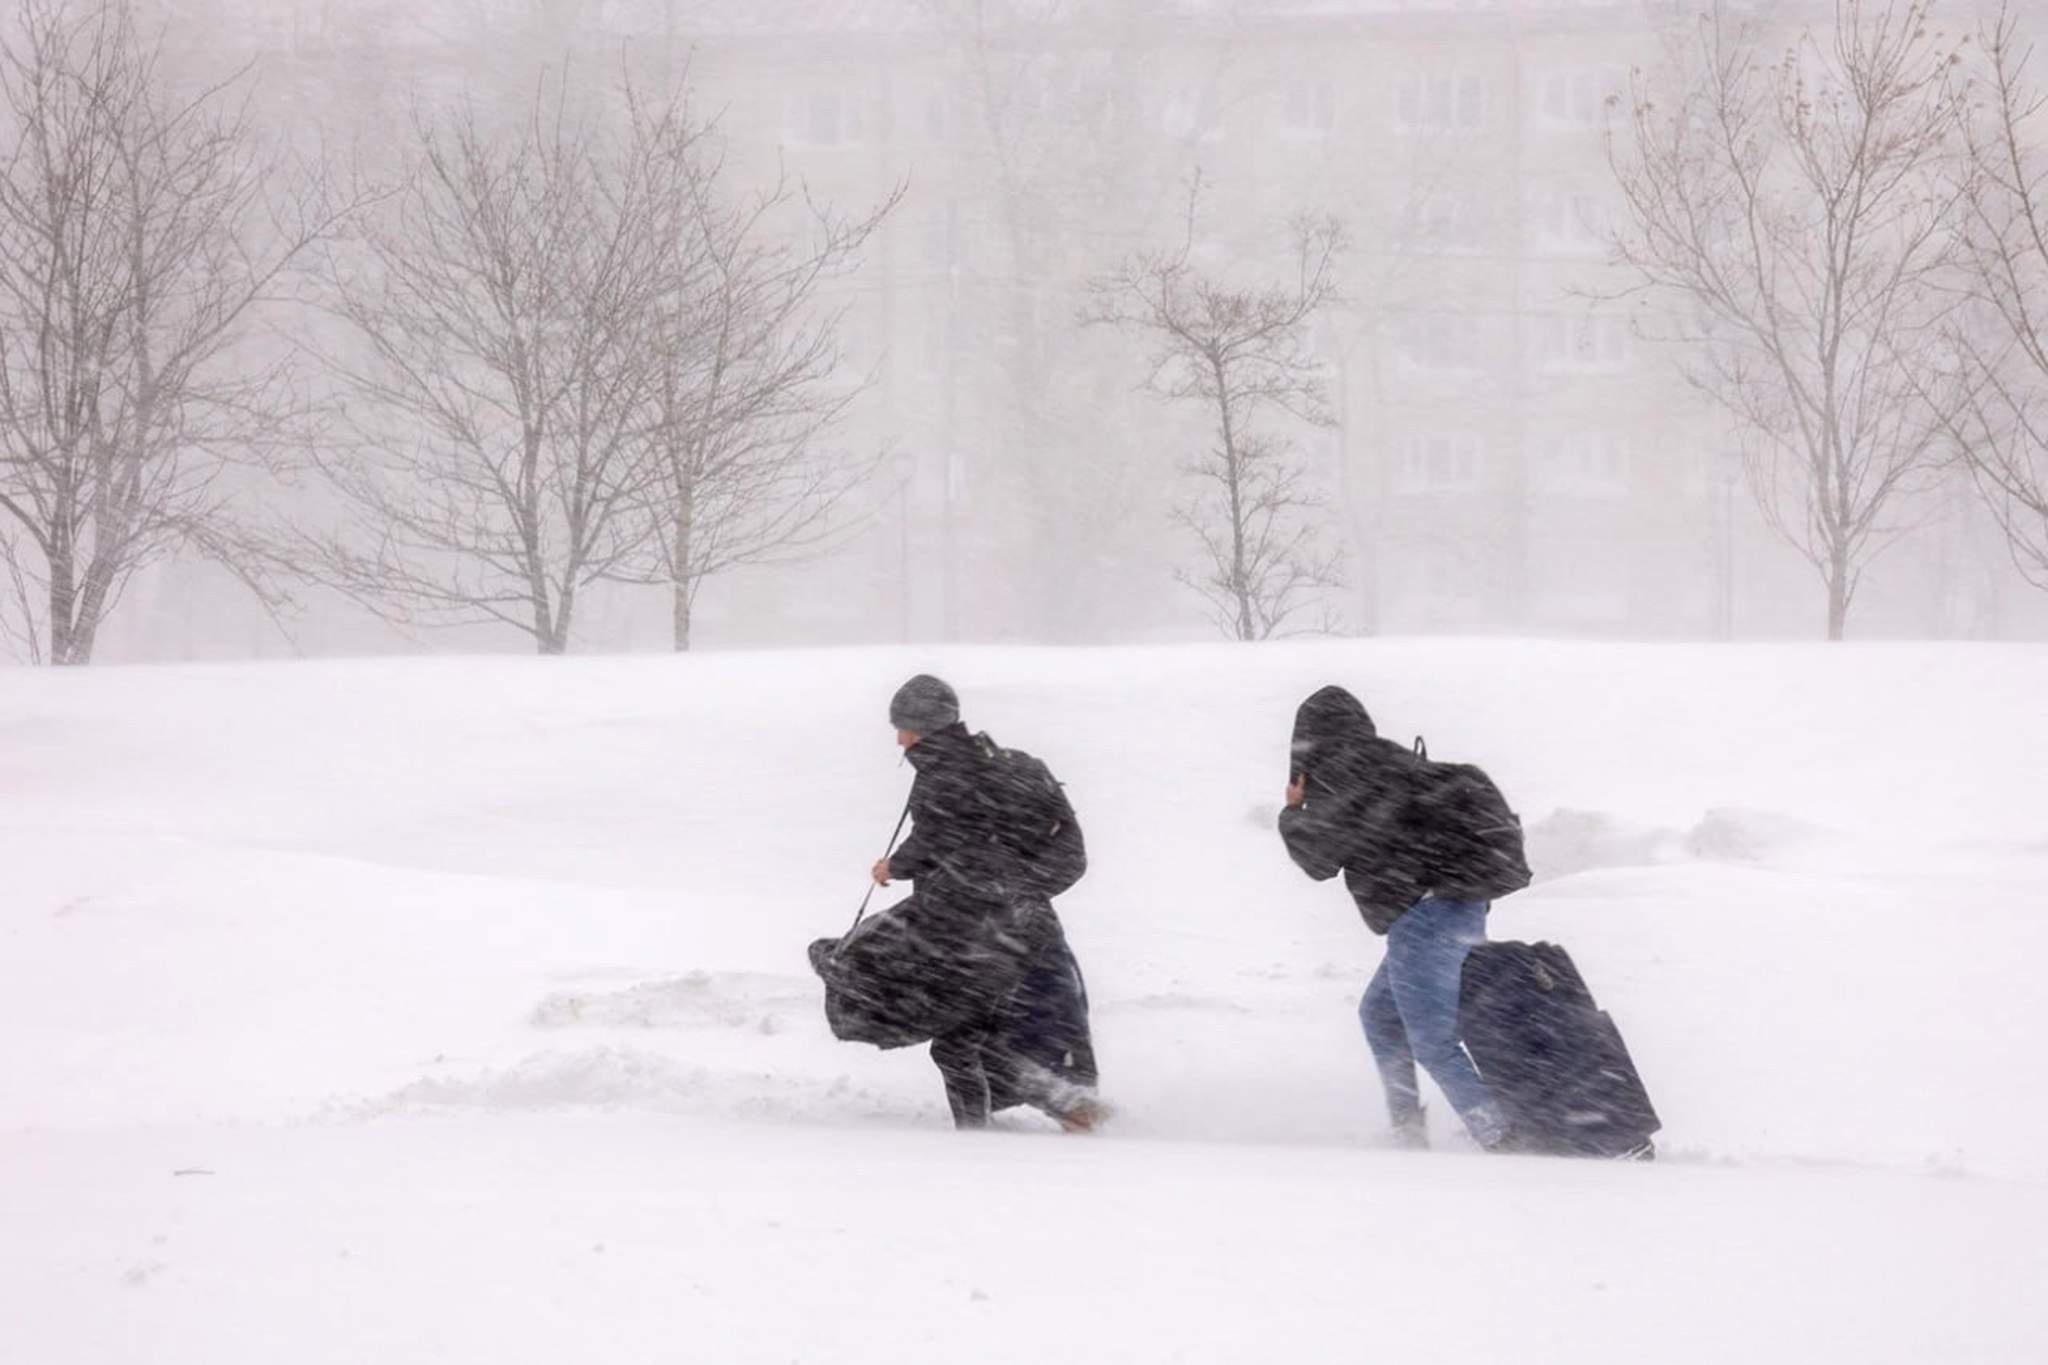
[1422, 877]
[975, 959]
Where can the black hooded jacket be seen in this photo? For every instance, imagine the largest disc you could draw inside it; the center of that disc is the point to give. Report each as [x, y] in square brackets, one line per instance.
[985, 859]
[974, 837]
[1357, 817]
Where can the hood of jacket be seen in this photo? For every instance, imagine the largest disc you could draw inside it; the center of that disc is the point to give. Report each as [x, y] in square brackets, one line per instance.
[1332, 735]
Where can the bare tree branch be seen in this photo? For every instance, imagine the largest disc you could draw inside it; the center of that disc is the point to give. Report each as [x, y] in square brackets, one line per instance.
[1239, 353]
[2000, 431]
[1798, 208]
[751, 379]
[140, 240]
[496, 440]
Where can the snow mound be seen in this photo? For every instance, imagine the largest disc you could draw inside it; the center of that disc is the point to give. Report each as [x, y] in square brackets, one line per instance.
[1567, 842]
[622, 1078]
[700, 999]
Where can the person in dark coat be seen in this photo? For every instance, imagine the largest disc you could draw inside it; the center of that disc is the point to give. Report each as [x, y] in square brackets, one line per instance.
[1353, 807]
[980, 963]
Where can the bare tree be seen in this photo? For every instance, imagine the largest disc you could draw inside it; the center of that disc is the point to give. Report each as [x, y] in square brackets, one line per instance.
[1242, 354]
[2000, 430]
[140, 235]
[496, 460]
[1083, 122]
[1796, 208]
[21, 624]
[752, 381]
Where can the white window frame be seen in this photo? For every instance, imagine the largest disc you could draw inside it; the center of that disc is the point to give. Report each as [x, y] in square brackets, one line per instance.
[1582, 343]
[1308, 108]
[801, 121]
[1565, 218]
[1439, 461]
[1443, 102]
[1582, 464]
[1438, 343]
[1573, 97]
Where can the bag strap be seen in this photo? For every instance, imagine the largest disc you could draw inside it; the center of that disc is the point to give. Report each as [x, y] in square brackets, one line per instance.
[859, 914]
[1421, 749]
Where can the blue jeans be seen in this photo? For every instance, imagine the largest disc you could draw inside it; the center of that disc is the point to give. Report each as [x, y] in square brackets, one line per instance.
[1410, 1013]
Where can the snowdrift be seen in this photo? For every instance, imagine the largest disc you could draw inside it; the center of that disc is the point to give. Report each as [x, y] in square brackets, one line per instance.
[457, 1010]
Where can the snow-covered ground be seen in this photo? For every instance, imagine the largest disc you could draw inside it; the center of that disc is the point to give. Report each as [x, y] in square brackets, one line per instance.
[456, 1010]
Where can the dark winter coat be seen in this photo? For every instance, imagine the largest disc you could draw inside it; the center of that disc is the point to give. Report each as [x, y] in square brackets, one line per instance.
[1042, 1027]
[1369, 814]
[978, 833]
[1352, 818]
[984, 858]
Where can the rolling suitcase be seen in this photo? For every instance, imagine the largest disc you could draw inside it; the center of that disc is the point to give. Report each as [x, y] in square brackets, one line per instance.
[1553, 1058]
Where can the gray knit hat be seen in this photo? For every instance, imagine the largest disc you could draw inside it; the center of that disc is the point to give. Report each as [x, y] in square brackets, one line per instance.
[924, 705]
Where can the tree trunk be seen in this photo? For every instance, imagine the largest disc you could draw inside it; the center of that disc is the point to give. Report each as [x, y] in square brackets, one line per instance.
[1838, 595]
[553, 637]
[1240, 573]
[92, 608]
[547, 637]
[557, 641]
[63, 607]
[680, 566]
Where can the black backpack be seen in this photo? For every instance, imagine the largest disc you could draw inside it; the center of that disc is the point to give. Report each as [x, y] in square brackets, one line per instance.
[1037, 821]
[1466, 839]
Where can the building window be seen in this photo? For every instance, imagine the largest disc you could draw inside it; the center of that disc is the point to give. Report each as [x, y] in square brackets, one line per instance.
[823, 118]
[1581, 342]
[1565, 218]
[1582, 464]
[1438, 341]
[1452, 220]
[1310, 108]
[1438, 462]
[1441, 102]
[1578, 98]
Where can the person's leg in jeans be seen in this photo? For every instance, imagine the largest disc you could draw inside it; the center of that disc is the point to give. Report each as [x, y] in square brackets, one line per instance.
[1426, 951]
[958, 1056]
[1387, 1037]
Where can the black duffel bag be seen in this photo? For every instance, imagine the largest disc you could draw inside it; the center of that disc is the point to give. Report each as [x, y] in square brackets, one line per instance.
[914, 973]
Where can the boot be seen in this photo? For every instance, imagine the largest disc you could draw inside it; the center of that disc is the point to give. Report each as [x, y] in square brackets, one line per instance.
[1083, 1113]
[1073, 1106]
